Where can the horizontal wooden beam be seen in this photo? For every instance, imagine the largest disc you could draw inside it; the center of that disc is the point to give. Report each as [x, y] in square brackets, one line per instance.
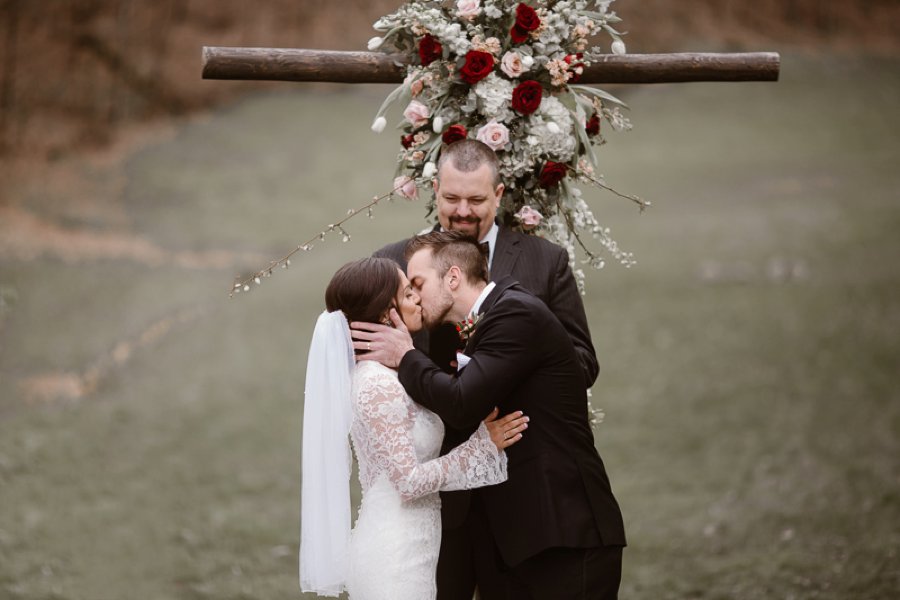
[289, 64]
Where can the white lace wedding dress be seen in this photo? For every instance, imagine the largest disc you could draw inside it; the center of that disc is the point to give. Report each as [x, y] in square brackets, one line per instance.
[394, 545]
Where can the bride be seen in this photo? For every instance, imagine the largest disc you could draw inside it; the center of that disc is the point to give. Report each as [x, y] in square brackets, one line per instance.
[392, 551]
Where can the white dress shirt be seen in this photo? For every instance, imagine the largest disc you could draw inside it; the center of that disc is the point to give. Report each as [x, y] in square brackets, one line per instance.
[461, 359]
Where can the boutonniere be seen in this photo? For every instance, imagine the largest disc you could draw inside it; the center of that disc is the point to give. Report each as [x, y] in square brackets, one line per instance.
[466, 328]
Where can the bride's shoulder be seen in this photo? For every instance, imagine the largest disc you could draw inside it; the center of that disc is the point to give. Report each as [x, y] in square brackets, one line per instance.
[369, 371]
[369, 367]
[376, 385]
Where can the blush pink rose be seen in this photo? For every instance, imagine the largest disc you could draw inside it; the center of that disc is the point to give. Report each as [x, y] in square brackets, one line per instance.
[406, 187]
[468, 9]
[415, 85]
[493, 134]
[528, 217]
[416, 113]
[511, 64]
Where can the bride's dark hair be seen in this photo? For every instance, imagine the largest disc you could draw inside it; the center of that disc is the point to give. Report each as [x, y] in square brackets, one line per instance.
[364, 290]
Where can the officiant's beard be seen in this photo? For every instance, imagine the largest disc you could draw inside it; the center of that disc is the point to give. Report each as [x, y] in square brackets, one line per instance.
[434, 313]
[469, 225]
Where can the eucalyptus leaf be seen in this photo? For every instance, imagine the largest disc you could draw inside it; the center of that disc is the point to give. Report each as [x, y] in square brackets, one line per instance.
[588, 147]
[393, 96]
[599, 93]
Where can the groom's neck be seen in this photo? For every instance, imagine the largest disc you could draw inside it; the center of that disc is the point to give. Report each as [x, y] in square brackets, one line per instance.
[465, 300]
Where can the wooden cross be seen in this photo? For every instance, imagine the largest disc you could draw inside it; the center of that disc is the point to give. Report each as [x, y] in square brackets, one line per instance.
[289, 64]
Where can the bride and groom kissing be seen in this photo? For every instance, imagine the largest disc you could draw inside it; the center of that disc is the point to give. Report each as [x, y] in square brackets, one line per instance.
[454, 499]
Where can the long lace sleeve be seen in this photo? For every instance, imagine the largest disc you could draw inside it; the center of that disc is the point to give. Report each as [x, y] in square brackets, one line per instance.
[384, 420]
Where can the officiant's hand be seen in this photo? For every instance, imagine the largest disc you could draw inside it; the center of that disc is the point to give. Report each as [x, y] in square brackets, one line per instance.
[382, 343]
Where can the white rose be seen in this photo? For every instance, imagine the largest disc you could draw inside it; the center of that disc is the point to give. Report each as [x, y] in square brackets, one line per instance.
[375, 43]
[429, 170]
[468, 9]
[438, 124]
[618, 47]
[493, 134]
[416, 113]
[378, 124]
[406, 187]
[527, 62]
[511, 64]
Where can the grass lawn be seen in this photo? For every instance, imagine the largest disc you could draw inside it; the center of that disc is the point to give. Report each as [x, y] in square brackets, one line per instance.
[749, 380]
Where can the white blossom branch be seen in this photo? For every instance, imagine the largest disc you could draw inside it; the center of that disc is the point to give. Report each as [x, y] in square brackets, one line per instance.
[244, 285]
[642, 204]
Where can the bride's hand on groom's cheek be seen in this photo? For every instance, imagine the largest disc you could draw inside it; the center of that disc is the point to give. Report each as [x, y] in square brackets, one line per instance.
[382, 343]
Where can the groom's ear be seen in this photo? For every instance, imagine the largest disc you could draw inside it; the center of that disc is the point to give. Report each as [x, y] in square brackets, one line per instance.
[454, 275]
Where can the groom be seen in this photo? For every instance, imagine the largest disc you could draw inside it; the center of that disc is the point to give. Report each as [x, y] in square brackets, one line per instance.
[554, 529]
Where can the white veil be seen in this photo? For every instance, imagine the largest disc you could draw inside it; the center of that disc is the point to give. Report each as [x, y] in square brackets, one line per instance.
[325, 493]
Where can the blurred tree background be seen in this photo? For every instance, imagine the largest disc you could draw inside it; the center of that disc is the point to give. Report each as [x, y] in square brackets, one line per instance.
[149, 426]
[72, 72]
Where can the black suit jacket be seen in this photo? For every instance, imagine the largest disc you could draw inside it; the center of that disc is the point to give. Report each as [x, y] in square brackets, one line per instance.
[522, 358]
[542, 268]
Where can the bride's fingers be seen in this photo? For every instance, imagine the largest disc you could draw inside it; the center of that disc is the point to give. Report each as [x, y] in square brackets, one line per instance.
[397, 321]
[365, 336]
[511, 431]
[361, 326]
[510, 441]
[513, 418]
[363, 346]
[493, 416]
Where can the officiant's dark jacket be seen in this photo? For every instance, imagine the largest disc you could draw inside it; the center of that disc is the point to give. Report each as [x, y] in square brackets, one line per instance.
[522, 358]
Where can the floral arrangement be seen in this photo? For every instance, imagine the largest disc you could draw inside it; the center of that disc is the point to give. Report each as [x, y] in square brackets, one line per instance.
[506, 73]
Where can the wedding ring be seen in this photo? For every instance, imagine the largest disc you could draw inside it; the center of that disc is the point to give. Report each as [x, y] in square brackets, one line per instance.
[369, 346]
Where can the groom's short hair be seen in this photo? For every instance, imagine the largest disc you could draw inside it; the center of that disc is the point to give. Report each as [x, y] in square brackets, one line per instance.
[449, 248]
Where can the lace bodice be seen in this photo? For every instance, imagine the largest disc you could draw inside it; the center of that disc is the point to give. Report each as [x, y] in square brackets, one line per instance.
[395, 437]
[395, 543]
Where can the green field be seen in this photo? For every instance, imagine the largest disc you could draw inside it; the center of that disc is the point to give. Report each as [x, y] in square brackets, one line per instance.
[750, 361]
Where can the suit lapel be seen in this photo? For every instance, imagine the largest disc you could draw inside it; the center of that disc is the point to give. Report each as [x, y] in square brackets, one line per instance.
[505, 254]
[499, 288]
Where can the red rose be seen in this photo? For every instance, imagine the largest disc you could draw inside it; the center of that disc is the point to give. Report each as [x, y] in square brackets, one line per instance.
[407, 140]
[593, 125]
[518, 35]
[552, 174]
[478, 66]
[454, 133]
[526, 98]
[527, 18]
[429, 49]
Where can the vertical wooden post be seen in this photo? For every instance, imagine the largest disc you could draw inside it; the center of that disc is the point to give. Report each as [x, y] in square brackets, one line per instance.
[8, 85]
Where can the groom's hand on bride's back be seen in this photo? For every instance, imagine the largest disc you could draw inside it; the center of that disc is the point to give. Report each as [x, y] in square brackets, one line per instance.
[386, 344]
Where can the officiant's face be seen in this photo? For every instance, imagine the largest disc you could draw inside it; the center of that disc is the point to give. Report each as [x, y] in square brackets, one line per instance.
[434, 295]
[408, 304]
[467, 201]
